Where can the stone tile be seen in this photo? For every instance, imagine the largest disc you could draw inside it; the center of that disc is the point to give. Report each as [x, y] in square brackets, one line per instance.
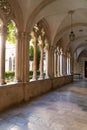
[18, 121]
[63, 109]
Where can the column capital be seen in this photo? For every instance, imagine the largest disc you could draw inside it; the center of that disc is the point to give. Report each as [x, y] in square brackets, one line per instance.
[47, 47]
[4, 30]
[18, 35]
[41, 44]
[68, 55]
[61, 52]
[35, 33]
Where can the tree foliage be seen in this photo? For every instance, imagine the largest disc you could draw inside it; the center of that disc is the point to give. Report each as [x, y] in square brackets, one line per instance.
[31, 52]
[11, 33]
[38, 56]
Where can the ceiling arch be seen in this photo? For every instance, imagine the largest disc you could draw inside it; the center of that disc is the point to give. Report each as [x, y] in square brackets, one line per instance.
[79, 42]
[17, 14]
[80, 50]
[61, 16]
[55, 13]
[31, 19]
[47, 29]
[66, 30]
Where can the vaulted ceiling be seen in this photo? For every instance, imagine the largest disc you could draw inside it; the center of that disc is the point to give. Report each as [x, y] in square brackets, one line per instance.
[55, 13]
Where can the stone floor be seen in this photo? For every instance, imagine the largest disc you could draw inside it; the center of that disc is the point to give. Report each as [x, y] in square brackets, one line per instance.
[64, 109]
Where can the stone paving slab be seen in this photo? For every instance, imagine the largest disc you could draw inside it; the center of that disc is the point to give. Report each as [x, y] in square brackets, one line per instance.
[63, 109]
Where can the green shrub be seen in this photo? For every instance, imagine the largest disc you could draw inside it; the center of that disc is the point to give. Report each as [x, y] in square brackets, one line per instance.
[38, 72]
[30, 73]
[9, 75]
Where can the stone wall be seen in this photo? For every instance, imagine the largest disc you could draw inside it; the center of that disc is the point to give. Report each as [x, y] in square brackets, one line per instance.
[13, 94]
[60, 81]
[79, 66]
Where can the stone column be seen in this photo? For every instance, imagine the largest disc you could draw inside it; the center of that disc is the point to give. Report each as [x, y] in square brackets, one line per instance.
[2, 54]
[69, 65]
[61, 63]
[18, 63]
[41, 59]
[22, 57]
[16, 79]
[25, 45]
[51, 62]
[19, 57]
[47, 72]
[58, 63]
[35, 59]
[65, 65]
[55, 63]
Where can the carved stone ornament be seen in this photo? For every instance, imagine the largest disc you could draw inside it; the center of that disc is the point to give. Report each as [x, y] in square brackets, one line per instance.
[5, 7]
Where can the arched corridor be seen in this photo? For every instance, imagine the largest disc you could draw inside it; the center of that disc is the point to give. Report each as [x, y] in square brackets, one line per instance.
[43, 48]
[63, 109]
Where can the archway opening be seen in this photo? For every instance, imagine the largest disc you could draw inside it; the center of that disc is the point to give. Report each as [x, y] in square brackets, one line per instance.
[10, 51]
[38, 53]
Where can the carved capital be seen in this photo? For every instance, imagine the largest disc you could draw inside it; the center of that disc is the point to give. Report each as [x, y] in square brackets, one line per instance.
[3, 30]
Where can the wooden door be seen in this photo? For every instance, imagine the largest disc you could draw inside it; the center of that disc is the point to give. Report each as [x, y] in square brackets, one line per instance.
[85, 69]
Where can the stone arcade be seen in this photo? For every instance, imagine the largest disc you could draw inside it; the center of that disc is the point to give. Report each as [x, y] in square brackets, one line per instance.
[45, 24]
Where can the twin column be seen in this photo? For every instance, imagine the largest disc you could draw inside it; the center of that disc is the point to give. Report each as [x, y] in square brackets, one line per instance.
[22, 56]
[60, 63]
[41, 45]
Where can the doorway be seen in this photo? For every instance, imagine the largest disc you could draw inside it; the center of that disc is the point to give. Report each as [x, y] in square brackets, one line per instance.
[85, 69]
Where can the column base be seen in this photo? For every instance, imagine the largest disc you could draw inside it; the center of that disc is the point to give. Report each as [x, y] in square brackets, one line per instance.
[55, 76]
[41, 76]
[46, 77]
[16, 80]
[61, 75]
[33, 79]
[2, 81]
[58, 75]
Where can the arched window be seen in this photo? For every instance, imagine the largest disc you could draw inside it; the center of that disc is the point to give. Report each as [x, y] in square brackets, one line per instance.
[46, 49]
[10, 51]
[38, 47]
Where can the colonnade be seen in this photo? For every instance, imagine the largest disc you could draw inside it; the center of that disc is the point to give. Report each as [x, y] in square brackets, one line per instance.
[57, 62]
[38, 38]
[21, 58]
[62, 63]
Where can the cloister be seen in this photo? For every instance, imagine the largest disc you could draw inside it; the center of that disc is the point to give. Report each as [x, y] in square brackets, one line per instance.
[50, 42]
